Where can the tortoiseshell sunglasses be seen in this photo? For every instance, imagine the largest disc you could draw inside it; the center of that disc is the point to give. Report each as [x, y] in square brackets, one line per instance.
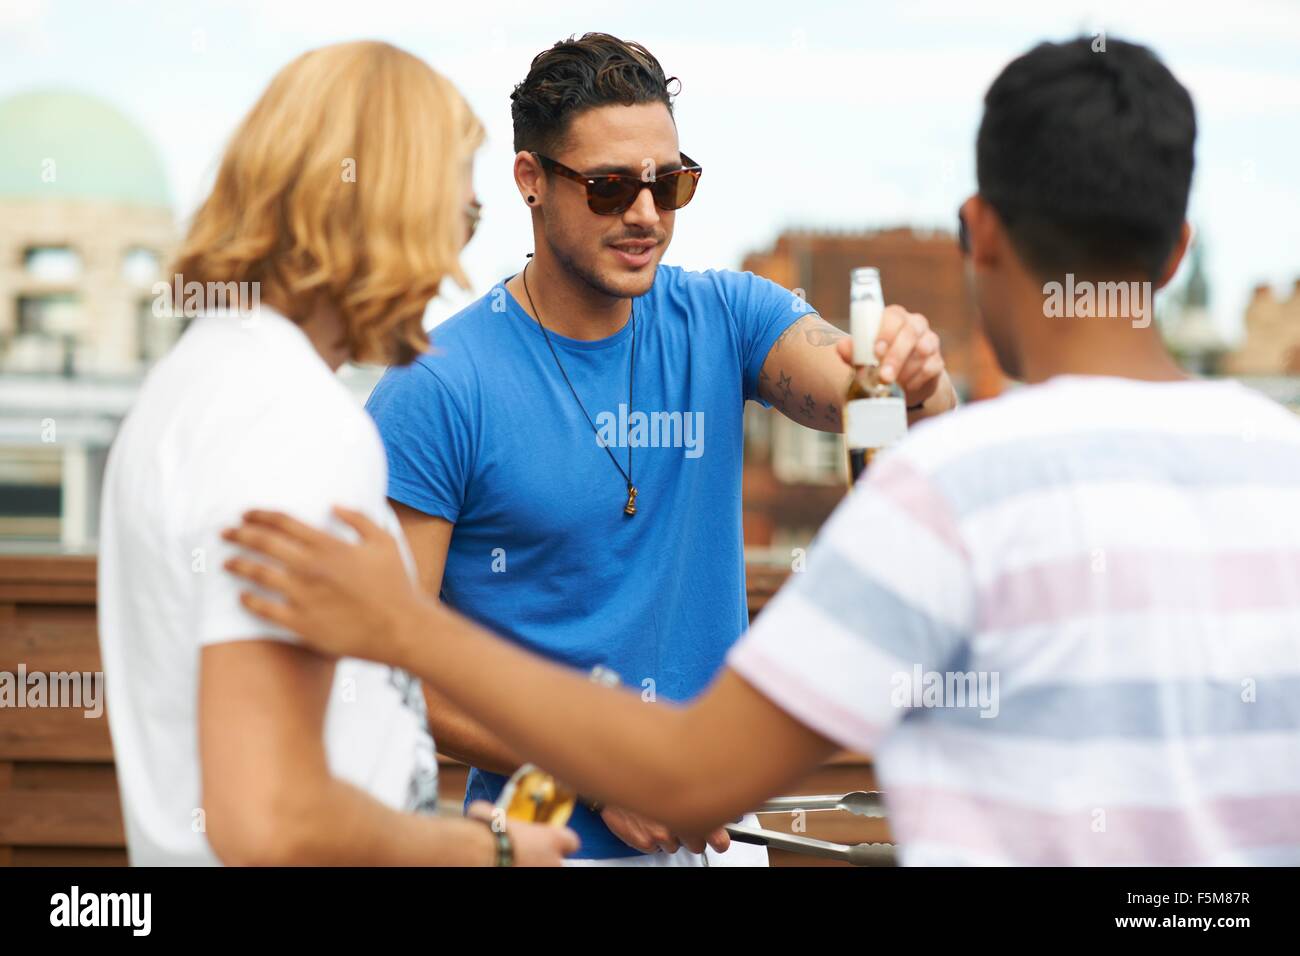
[609, 194]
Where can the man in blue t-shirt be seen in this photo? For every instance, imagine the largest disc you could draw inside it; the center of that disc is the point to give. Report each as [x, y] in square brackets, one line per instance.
[566, 461]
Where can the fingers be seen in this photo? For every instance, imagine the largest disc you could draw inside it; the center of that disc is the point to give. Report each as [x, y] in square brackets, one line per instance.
[844, 348]
[659, 837]
[568, 841]
[892, 320]
[720, 840]
[638, 840]
[636, 831]
[669, 843]
[363, 526]
[908, 328]
[263, 575]
[643, 835]
[289, 527]
[628, 829]
[694, 844]
[913, 371]
[480, 810]
[270, 543]
[925, 382]
[273, 611]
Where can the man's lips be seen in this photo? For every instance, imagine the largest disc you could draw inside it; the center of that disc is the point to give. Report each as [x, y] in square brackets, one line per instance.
[634, 252]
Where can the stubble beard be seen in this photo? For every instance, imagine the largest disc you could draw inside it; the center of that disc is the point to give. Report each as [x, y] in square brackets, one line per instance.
[591, 279]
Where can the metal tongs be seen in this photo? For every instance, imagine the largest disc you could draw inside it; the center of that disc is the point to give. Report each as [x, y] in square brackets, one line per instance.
[861, 803]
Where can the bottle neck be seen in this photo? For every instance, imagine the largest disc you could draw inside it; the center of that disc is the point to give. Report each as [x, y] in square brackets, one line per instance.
[866, 383]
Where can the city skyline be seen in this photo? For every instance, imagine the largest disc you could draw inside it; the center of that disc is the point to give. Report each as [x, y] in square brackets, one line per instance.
[840, 82]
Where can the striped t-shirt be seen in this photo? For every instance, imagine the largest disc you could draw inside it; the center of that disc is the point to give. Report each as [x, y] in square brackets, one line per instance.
[1066, 624]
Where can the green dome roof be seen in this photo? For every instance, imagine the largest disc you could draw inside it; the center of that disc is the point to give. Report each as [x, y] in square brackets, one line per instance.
[98, 153]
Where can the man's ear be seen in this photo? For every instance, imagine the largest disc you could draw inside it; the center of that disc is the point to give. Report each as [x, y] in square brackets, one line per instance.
[529, 178]
[989, 244]
[1176, 256]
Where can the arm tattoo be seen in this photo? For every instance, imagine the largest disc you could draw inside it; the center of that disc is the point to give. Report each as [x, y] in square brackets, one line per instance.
[821, 333]
[800, 404]
[816, 332]
[787, 332]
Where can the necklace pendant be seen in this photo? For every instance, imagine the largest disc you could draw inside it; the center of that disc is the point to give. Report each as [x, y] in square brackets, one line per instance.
[630, 509]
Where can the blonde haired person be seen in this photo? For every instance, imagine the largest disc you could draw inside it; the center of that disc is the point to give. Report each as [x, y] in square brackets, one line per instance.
[342, 202]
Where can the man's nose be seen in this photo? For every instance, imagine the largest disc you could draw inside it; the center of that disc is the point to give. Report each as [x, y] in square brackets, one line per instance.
[643, 211]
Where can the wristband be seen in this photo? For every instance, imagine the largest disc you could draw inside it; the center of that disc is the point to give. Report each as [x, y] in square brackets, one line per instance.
[505, 847]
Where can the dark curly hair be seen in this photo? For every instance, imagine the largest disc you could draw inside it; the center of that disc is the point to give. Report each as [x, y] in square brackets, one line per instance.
[576, 75]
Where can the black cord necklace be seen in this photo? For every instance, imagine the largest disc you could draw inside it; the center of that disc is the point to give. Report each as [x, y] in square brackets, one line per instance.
[630, 507]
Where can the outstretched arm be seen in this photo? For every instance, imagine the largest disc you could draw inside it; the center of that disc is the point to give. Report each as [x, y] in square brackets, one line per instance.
[692, 767]
[807, 372]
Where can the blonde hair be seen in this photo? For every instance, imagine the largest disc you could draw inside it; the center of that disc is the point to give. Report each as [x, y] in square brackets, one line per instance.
[344, 185]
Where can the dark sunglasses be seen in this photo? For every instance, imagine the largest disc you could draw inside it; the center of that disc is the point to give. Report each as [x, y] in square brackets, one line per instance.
[611, 194]
[473, 213]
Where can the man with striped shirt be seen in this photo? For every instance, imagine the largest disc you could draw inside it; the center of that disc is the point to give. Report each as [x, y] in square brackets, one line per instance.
[1065, 622]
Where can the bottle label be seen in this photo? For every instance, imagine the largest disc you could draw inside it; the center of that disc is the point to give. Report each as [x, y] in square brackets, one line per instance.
[874, 422]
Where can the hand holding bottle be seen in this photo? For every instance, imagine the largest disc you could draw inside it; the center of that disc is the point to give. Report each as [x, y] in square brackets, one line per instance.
[905, 351]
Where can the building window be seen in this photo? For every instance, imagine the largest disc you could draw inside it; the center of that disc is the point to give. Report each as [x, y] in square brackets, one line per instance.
[141, 267]
[805, 456]
[31, 496]
[52, 264]
[48, 316]
[46, 334]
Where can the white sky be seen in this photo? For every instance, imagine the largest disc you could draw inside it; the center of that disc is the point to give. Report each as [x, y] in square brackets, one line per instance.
[780, 102]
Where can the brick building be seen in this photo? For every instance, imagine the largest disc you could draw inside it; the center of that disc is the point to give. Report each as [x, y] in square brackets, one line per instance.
[795, 476]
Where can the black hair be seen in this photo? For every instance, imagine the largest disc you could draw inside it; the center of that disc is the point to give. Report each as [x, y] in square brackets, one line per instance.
[1086, 152]
[576, 75]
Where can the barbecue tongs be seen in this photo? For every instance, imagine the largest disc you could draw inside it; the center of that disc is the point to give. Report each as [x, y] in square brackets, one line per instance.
[860, 803]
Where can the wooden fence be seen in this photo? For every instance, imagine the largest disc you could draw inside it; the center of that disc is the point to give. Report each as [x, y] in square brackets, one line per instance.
[59, 801]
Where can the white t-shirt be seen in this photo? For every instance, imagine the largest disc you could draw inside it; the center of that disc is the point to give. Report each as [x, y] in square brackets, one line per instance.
[242, 413]
[1066, 623]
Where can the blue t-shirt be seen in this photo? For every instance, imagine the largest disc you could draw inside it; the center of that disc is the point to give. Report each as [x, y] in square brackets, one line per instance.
[484, 432]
